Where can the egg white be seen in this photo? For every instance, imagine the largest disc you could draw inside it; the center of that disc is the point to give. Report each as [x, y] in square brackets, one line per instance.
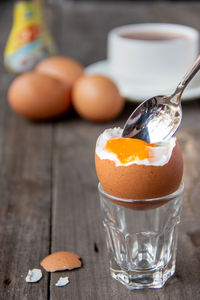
[162, 152]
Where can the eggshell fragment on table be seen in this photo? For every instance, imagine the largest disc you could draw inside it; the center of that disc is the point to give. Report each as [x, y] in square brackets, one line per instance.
[38, 96]
[62, 281]
[61, 260]
[63, 68]
[33, 275]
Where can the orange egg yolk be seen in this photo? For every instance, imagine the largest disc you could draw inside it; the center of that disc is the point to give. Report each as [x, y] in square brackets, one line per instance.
[129, 149]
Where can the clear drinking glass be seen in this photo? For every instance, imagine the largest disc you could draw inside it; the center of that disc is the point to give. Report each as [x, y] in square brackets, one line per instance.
[141, 238]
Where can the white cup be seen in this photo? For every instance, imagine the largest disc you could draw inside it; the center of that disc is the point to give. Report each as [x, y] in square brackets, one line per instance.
[155, 62]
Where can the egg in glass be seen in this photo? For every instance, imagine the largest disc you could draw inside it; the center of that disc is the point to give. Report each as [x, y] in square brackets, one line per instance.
[130, 168]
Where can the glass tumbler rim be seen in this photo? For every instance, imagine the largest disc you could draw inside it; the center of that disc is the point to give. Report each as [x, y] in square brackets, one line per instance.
[171, 196]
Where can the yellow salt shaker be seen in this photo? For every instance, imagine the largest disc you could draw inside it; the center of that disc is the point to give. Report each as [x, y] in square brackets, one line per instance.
[29, 41]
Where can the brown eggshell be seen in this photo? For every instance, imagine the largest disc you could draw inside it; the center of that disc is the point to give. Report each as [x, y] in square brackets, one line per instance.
[59, 261]
[140, 181]
[97, 98]
[38, 96]
[60, 67]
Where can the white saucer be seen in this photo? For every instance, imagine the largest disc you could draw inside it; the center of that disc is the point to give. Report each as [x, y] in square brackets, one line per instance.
[137, 92]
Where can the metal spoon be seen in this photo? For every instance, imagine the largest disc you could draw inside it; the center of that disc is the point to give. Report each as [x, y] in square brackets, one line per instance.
[158, 118]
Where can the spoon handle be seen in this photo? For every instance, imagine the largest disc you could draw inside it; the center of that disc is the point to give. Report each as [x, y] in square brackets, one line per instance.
[187, 78]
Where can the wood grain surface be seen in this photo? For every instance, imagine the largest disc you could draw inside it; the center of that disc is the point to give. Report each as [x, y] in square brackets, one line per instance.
[48, 185]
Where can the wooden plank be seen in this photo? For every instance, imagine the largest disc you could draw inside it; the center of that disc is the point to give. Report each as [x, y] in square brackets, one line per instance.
[25, 192]
[76, 212]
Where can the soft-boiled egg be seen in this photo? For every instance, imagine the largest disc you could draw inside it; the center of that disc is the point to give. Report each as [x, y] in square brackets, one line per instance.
[133, 169]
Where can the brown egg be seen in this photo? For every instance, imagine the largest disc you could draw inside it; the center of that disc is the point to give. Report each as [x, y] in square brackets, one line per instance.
[140, 181]
[97, 98]
[63, 68]
[59, 261]
[37, 96]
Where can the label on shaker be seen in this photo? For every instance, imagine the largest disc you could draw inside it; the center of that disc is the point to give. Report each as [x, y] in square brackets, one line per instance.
[29, 41]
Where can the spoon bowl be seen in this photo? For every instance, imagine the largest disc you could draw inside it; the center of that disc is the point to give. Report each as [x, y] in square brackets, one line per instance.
[154, 120]
[157, 119]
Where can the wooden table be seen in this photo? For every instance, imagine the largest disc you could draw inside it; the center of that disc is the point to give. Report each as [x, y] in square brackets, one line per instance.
[48, 185]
